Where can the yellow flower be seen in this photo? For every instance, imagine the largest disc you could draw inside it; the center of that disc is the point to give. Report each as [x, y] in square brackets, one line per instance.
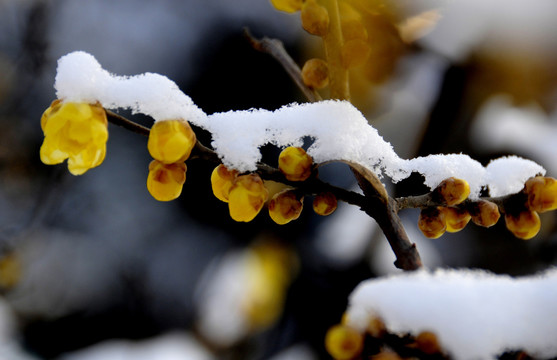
[246, 197]
[542, 193]
[343, 342]
[524, 225]
[221, 181]
[295, 163]
[171, 141]
[285, 206]
[74, 131]
[165, 181]
[325, 203]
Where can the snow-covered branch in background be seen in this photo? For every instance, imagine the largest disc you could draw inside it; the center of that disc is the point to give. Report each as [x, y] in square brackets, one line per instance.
[339, 131]
[474, 314]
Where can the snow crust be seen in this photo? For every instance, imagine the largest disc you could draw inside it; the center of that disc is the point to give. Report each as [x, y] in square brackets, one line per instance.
[475, 314]
[339, 131]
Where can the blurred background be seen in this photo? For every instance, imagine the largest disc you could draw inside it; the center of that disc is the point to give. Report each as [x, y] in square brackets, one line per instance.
[92, 267]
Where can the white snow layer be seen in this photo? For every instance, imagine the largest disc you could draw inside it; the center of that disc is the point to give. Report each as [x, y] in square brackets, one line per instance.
[474, 314]
[339, 130]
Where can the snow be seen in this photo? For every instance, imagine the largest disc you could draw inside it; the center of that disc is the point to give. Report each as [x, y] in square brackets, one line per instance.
[171, 346]
[339, 130]
[222, 292]
[81, 78]
[475, 314]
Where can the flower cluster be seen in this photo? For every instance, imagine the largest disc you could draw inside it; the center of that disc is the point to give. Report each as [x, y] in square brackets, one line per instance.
[170, 144]
[247, 194]
[520, 210]
[344, 342]
[78, 132]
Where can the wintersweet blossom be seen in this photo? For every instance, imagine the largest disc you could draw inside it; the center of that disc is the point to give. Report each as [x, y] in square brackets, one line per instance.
[171, 141]
[74, 131]
[165, 181]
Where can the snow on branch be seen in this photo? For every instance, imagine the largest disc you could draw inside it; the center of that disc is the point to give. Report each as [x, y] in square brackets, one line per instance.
[474, 314]
[339, 131]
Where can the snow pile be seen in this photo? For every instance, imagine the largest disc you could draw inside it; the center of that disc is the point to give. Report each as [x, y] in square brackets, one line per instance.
[81, 78]
[339, 131]
[475, 314]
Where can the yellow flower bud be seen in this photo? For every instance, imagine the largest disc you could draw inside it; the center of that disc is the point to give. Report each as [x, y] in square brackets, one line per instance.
[165, 181]
[74, 131]
[288, 6]
[524, 225]
[484, 213]
[315, 73]
[171, 141]
[295, 163]
[427, 342]
[343, 342]
[432, 222]
[246, 197]
[542, 193]
[221, 181]
[453, 191]
[315, 18]
[455, 218]
[325, 204]
[285, 206]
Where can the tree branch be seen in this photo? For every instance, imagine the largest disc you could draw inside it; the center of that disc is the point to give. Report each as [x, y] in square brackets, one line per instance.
[121, 121]
[275, 48]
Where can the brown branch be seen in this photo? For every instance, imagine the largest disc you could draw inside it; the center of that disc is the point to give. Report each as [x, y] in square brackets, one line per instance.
[507, 203]
[126, 123]
[275, 48]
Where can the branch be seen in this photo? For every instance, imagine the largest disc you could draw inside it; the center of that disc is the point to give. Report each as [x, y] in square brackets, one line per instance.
[275, 48]
[507, 203]
[126, 123]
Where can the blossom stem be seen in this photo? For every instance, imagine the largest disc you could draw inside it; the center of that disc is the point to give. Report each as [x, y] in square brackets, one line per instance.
[126, 123]
[333, 42]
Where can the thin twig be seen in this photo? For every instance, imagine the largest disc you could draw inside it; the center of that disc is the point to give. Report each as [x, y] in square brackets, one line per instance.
[126, 123]
[275, 48]
[507, 203]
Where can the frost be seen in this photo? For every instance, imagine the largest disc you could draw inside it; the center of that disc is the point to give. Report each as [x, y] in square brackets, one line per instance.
[338, 130]
[475, 314]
